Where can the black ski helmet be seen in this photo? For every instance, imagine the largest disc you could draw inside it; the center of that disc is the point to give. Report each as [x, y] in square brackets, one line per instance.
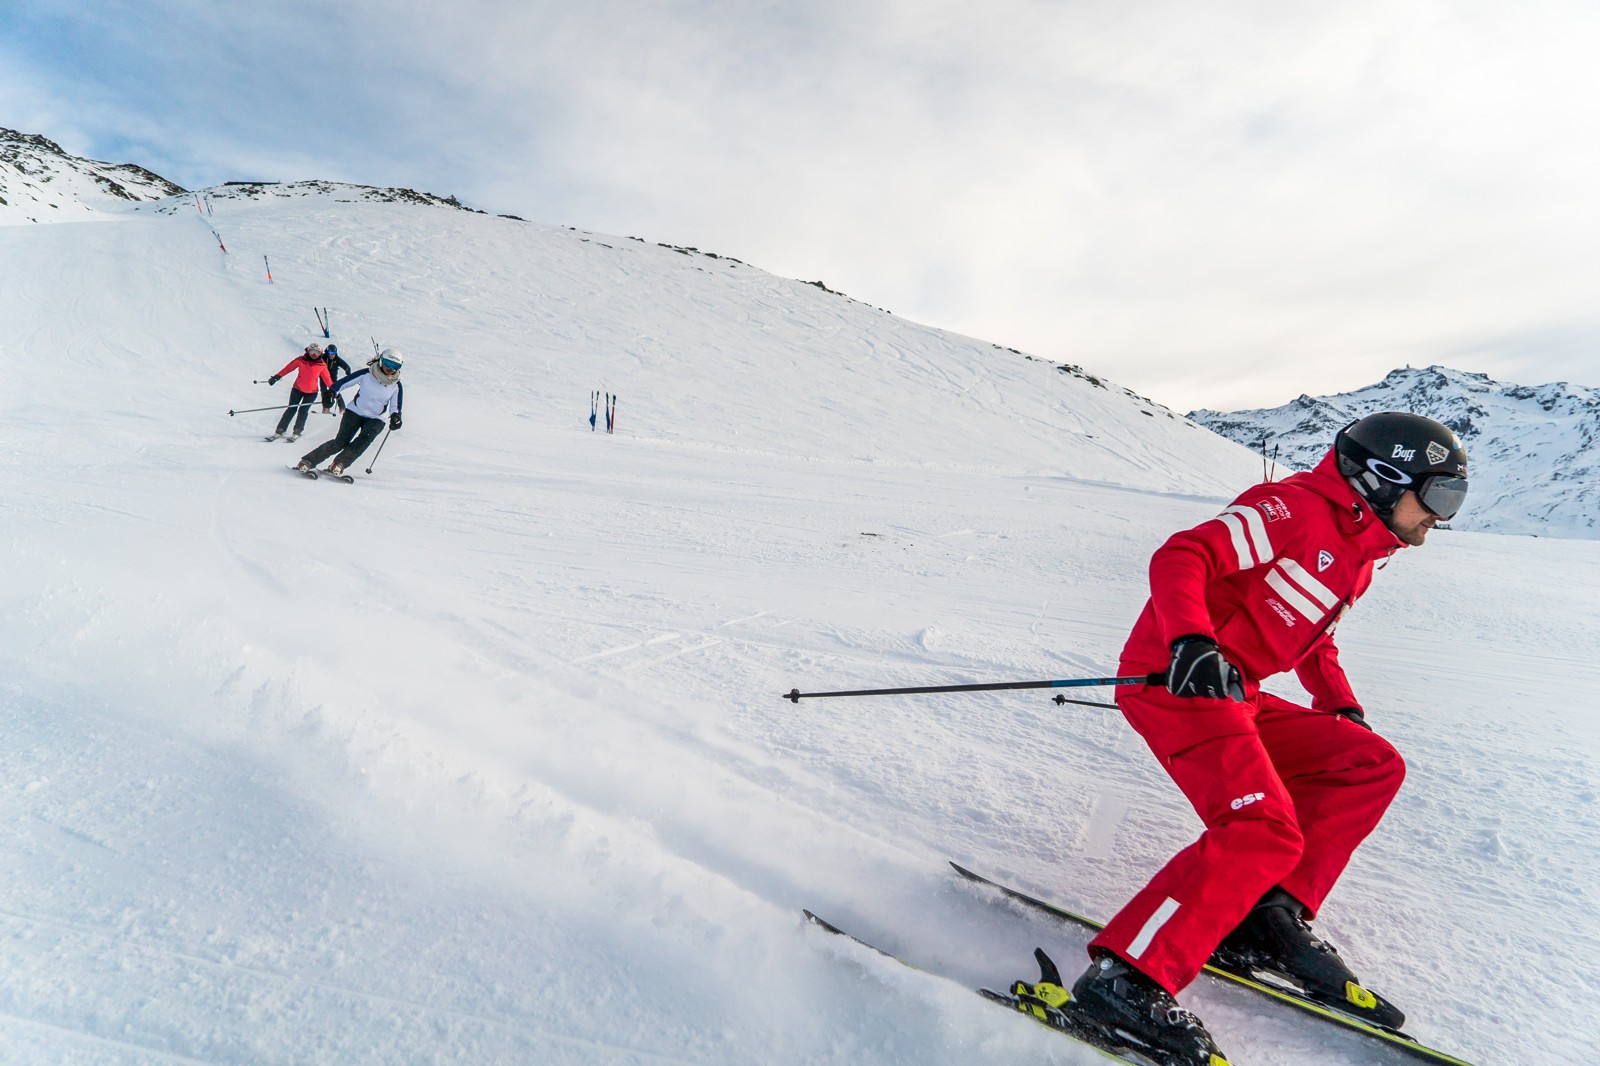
[1385, 454]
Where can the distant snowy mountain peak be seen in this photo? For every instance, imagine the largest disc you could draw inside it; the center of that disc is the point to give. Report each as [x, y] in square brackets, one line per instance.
[40, 182]
[1535, 450]
[339, 192]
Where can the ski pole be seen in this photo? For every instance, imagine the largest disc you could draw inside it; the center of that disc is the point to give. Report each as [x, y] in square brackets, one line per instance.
[795, 696]
[248, 410]
[379, 452]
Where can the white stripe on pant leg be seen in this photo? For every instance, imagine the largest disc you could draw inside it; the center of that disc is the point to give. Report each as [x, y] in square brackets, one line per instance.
[1168, 908]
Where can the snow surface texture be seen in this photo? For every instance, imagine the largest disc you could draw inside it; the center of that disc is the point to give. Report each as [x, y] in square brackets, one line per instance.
[1534, 452]
[482, 759]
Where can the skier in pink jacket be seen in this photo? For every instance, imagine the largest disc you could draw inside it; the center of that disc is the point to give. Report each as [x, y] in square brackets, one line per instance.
[311, 369]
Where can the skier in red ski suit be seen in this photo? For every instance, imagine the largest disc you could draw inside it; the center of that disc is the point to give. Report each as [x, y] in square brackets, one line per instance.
[1286, 792]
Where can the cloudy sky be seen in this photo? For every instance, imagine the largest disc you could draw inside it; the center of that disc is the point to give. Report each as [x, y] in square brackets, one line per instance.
[1218, 203]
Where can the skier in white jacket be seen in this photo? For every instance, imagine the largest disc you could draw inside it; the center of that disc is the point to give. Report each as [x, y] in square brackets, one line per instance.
[378, 393]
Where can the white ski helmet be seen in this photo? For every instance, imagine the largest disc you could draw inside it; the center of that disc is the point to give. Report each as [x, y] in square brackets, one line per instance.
[388, 363]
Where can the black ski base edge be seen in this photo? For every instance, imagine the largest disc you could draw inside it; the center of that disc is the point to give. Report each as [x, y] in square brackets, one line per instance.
[1394, 1038]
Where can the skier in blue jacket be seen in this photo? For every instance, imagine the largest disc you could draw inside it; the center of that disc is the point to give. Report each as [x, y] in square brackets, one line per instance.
[378, 393]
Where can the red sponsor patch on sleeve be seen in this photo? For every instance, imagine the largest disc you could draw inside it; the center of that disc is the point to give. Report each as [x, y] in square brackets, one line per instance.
[1274, 508]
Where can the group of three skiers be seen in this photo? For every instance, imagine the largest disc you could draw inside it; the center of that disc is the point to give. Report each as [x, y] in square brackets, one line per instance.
[379, 395]
[1286, 793]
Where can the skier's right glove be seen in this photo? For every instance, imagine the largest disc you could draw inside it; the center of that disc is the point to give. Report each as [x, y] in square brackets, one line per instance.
[1198, 670]
[1356, 715]
[394, 422]
[273, 380]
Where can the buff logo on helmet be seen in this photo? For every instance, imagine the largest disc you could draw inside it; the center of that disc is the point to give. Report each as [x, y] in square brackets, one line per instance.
[1436, 453]
[1403, 453]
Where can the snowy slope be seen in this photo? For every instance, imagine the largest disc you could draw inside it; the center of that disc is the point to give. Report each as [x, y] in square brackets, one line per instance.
[1534, 450]
[482, 758]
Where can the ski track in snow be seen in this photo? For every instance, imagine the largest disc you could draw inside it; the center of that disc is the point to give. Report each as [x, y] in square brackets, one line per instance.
[485, 760]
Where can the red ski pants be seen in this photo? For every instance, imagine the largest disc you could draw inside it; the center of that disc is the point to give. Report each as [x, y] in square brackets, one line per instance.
[1286, 795]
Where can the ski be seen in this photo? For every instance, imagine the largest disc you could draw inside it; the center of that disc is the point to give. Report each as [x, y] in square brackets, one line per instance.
[1022, 1001]
[312, 474]
[1395, 1038]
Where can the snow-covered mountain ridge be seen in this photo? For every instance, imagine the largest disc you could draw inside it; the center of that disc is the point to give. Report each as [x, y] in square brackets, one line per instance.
[857, 383]
[39, 182]
[1534, 451]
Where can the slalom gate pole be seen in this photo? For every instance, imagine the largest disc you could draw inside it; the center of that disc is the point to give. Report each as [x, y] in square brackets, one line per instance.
[795, 696]
[379, 452]
[269, 269]
[249, 410]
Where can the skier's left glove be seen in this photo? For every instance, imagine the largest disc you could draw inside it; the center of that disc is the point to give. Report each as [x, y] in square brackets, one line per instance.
[1355, 714]
[394, 422]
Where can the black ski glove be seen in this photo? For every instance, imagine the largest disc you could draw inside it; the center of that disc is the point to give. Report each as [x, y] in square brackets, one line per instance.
[1199, 670]
[394, 422]
[273, 380]
[1356, 715]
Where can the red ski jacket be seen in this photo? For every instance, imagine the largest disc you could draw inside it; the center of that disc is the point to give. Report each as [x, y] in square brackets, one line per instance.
[1268, 579]
[308, 373]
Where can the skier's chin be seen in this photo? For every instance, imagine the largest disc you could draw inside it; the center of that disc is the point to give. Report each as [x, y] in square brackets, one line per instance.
[1415, 535]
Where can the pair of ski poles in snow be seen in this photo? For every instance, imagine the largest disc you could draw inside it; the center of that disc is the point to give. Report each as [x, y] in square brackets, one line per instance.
[795, 695]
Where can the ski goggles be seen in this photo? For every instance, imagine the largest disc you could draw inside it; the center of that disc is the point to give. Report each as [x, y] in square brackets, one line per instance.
[1442, 494]
[389, 366]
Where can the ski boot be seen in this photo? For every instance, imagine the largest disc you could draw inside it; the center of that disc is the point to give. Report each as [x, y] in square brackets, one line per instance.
[1129, 1009]
[304, 467]
[272, 436]
[291, 438]
[1275, 939]
[336, 469]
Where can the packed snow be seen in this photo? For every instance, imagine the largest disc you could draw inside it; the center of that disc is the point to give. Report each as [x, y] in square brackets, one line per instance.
[483, 758]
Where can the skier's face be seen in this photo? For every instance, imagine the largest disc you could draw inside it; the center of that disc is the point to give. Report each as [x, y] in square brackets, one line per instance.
[1410, 521]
